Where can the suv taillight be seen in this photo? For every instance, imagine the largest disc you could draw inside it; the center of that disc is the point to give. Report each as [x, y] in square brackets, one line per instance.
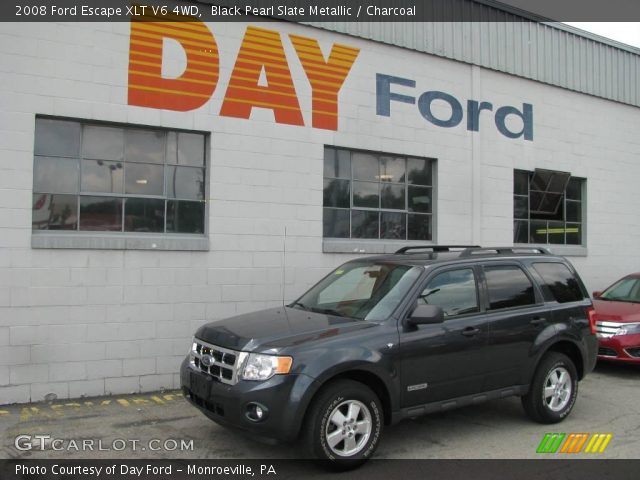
[591, 314]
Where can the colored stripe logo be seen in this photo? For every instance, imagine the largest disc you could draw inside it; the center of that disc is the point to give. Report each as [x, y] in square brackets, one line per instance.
[574, 443]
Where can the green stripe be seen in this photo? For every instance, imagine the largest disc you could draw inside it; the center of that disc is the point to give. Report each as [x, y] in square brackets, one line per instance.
[550, 443]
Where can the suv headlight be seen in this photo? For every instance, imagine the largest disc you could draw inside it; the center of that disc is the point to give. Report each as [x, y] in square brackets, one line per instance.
[628, 329]
[263, 367]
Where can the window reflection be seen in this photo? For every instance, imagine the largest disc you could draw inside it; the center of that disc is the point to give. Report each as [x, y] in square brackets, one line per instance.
[101, 214]
[54, 212]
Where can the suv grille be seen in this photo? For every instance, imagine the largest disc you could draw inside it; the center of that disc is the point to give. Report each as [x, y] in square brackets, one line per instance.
[221, 363]
[607, 329]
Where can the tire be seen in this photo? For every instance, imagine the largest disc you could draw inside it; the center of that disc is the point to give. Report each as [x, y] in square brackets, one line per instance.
[343, 425]
[553, 391]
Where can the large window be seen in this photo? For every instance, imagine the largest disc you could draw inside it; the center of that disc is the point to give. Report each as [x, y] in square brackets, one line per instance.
[548, 208]
[106, 178]
[376, 195]
[508, 287]
[455, 291]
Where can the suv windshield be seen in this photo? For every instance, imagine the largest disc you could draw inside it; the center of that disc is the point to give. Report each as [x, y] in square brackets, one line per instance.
[366, 291]
[626, 290]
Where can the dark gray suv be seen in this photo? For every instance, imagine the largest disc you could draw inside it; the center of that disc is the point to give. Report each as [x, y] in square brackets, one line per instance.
[388, 337]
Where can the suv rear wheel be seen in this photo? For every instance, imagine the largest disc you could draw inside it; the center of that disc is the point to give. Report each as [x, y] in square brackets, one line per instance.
[553, 391]
[344, 424]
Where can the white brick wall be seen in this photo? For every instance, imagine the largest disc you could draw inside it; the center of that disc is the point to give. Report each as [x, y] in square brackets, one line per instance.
[78, 322]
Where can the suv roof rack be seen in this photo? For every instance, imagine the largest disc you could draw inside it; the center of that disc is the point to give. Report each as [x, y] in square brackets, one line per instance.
[436, 248]
[505, 251]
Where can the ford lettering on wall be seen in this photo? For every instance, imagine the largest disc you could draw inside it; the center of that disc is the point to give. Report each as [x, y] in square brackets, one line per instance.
[384, 97]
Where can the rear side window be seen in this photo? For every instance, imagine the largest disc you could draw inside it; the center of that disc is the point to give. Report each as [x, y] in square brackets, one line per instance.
[562, 284]
[508, 287]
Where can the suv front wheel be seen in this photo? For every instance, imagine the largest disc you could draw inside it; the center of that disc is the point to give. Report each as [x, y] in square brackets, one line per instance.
[553, 391]
[344, 424]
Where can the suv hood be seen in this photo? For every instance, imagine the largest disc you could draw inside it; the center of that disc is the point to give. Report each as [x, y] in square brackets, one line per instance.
[276, 328]
[617, 311]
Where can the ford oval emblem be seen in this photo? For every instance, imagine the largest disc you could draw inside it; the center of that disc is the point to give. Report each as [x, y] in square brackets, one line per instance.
[206, 360]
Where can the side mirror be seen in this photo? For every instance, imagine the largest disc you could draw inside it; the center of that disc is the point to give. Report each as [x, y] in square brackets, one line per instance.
[597, 294]
[426, 314]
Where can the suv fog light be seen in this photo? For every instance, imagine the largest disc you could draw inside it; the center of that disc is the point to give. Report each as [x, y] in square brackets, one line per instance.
[256, 412]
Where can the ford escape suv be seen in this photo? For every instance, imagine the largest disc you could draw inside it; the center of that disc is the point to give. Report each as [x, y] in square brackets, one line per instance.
[388, 337]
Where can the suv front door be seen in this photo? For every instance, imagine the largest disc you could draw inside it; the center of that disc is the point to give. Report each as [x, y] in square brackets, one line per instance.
[448, 359]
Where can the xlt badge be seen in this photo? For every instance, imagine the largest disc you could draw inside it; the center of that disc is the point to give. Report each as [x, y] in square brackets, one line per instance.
[419, 386]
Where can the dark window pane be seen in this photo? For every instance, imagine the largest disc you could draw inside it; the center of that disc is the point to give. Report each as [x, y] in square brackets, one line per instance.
[520, 183]
[454, 291]
[365, 194]
[392, 169]
[185, 217]
[365, 166]
[538, 232]
[102, 176]
[336, 193]
[419, 227]
[144, 146]
[559, 282]
[185, 182]
[393, 225]
[54, 212]
[392, 196]
[191, 149]
[420, 199]
[171, 154]
[419, 171]
[556, 232]
[103, 143]
[337, 163]
[521, 207]
[55, 175]
[574, 234]
[335, 223]
[101, 214]
[143, 215]
[57, 138]
[574, 211]
[574, 189]
[536, 199]
[508, 287]
[364, 224]
[520, 231]
[144, 179]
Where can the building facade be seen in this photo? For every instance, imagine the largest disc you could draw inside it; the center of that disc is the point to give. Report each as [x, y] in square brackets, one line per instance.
[156, 176]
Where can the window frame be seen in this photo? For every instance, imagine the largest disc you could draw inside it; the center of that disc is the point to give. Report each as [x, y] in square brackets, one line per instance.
[379, 244]
[567, 248]
[123, 239]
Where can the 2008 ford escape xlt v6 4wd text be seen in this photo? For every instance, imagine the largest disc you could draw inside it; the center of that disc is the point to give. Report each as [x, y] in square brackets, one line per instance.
[389, 337]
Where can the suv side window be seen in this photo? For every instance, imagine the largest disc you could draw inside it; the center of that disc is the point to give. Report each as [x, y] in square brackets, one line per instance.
[508, 287]
[455, 291]
[560, 281]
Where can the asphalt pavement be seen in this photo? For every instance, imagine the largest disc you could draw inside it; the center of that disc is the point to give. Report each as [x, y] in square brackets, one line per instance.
[162, 425]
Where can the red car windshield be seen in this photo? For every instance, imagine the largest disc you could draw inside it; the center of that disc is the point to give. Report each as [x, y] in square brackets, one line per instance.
[626, 290]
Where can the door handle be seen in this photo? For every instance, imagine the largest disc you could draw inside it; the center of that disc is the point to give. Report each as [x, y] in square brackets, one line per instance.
[538, 320]
[470, 331]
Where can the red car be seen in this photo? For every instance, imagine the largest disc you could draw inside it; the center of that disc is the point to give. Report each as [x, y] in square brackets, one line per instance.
[618, 320]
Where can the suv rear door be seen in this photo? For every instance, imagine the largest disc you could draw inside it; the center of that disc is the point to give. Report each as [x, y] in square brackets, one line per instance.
[448, 359]
[516, 315]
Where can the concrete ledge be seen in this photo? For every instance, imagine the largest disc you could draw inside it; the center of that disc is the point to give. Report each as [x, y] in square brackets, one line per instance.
[91, 241]
[350, 245]
[563, 250]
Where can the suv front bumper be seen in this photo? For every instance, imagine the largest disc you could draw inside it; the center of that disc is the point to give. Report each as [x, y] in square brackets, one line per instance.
[283, 397]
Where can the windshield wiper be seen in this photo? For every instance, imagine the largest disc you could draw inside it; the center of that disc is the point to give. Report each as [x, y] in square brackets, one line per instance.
[328, 311]
[301, 305]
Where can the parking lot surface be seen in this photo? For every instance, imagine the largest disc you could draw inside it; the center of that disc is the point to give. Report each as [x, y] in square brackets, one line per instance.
[163, 425]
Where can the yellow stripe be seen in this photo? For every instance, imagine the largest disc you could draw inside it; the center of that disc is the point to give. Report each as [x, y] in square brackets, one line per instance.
[590, 444]
[339, 79]
[166, 90]
[205, 46]
[188, 80]
[155, 45]
[155, 55]
[293, 95]
[605, 443]
[270, 105]
[150, 64]
[598, 442]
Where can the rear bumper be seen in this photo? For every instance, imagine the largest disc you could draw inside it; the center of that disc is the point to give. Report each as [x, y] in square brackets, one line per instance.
[621, 348]
[282, 397]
